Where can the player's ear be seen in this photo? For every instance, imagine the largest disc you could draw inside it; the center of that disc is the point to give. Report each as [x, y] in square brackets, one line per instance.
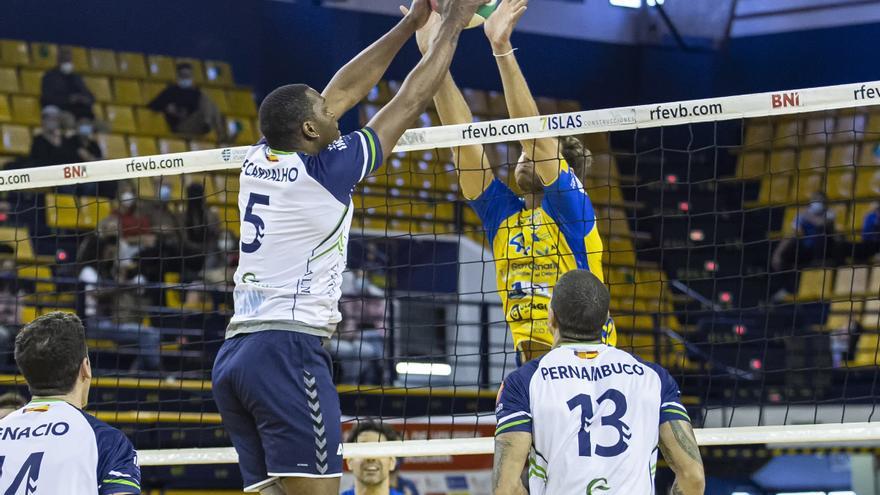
[85, 369]
[310, 131]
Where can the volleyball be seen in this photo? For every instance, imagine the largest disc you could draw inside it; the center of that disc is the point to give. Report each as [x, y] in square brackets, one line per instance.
[480, 16]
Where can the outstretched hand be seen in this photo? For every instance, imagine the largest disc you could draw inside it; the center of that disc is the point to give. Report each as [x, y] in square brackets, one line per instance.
[459, 12]
[418, 13]
[499, 26]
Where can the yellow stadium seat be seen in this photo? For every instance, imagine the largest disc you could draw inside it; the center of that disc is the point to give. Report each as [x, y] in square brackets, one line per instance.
[842, 155]
[14, 52]
[841, 183]
[132, 65]
[100, 87]
[41, 275]
[80, 58]
[127, 92]
[218, 96]
[851, 282]
[218, 73]
[151, 89]
[8, 80]
[121, 119]
[787, 133]
[859, 211]
[842, 313]
[868, 183]
[142, 146]
[61, 211]
[31, 81]
[849, 126]
[5, 109]
[113, 145]
[818, 130]
[815, 284]
[246, 134]
[15, 139]
[868, 347]
[807, 184]
[752, 165]
[152, 123]
[198, 69]
[19, 239]
[100, 114]
[241, 103]
[788, 218]
[620, 252]
[25, 110]
[775, 189]
[91, 211]
[160, 67]
[44, 55]
[870, 155]
[812, 158]
[169, 145]
[781, 161]
[758, 134]
[843, 223]
[103, 62]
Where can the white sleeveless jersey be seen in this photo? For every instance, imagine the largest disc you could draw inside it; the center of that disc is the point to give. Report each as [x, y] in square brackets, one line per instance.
[594, 413]
[51, 447]
[296, 212]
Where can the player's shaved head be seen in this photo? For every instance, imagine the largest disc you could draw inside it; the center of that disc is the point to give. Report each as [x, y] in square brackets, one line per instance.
[283, 113]
[50, 351]
[580, 306]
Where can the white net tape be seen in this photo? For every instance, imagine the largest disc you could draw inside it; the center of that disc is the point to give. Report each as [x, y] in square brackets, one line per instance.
[576, 123]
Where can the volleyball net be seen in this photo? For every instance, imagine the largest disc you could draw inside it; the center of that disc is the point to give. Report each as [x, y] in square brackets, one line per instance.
[725, 264]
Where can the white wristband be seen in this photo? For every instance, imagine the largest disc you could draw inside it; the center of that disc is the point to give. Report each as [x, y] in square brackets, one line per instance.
[505, 54]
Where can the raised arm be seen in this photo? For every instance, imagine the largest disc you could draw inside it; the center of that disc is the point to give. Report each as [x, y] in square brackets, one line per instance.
[354, 80]
[472, 165]
[511, 454]
[679, 448]
[520, 102]
[424, 80]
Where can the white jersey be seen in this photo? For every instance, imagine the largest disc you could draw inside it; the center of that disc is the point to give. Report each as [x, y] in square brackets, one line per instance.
[594, 413]
[296, 213]
[51, 447]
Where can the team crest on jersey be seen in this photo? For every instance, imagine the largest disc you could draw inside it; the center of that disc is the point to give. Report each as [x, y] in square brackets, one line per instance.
[598, 486]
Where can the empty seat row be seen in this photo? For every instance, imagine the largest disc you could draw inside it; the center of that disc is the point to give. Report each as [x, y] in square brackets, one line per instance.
[15, 53]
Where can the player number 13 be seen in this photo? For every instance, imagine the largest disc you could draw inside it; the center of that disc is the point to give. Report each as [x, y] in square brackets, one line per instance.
[585, 402]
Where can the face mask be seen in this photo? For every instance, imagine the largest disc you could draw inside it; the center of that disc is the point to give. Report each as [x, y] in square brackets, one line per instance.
[226, 244]
[127, 199]
[817, 207]
[185, 83]
[51, 125]
[66, 67]
[85, 130]
[165, 193]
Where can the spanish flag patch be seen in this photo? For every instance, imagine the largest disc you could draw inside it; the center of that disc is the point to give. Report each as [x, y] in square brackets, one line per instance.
[586, 354]
[36, 409]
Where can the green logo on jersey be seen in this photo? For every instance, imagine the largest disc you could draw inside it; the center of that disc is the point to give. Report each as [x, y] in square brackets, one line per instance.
[598, 485]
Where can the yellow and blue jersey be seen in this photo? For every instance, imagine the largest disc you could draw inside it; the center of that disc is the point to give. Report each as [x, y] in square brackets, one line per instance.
[533, 248]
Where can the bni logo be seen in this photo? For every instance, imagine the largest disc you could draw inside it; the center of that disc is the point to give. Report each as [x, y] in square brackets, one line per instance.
[785, 100]
[75, 171]
[226, 154]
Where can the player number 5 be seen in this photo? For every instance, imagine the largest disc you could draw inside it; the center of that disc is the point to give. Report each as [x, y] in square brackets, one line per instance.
[255, 220]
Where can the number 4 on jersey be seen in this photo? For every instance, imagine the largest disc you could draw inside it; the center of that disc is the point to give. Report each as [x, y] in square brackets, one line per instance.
[585, 402]
[30, 468]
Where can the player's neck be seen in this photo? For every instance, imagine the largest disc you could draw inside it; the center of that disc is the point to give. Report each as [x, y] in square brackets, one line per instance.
[73, 398]
[383, 488]
[533, 200]
[565, 341]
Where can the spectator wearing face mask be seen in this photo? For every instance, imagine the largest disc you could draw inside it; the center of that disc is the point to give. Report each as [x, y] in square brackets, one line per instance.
[188, 111]
[871, 232]
[48, 147]
[63, 88]
[813, 242]
[130, 223]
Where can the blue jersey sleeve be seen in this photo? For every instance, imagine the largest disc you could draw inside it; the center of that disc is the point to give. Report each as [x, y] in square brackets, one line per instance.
[671, 407]
[345, 163]
[495, 205]
[871, 227]
[118, 470]
[513, 412]
[569, 205]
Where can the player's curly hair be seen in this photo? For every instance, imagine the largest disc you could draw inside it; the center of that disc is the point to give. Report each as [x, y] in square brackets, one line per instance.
[384, 429]
[579, 158]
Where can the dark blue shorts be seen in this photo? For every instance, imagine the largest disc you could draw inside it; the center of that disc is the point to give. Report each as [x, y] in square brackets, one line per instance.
[275, 393]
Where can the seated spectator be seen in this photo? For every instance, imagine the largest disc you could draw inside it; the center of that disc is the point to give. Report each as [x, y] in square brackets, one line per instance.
[10, 308]
[82, 144]
[64, 89]
[220, 264]
[372, 476]
[48, 147]
[11, 402]
[813, 242]
[188, 111]
[114, 302]
[172, 251]
[131, 221]
[871, 232]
